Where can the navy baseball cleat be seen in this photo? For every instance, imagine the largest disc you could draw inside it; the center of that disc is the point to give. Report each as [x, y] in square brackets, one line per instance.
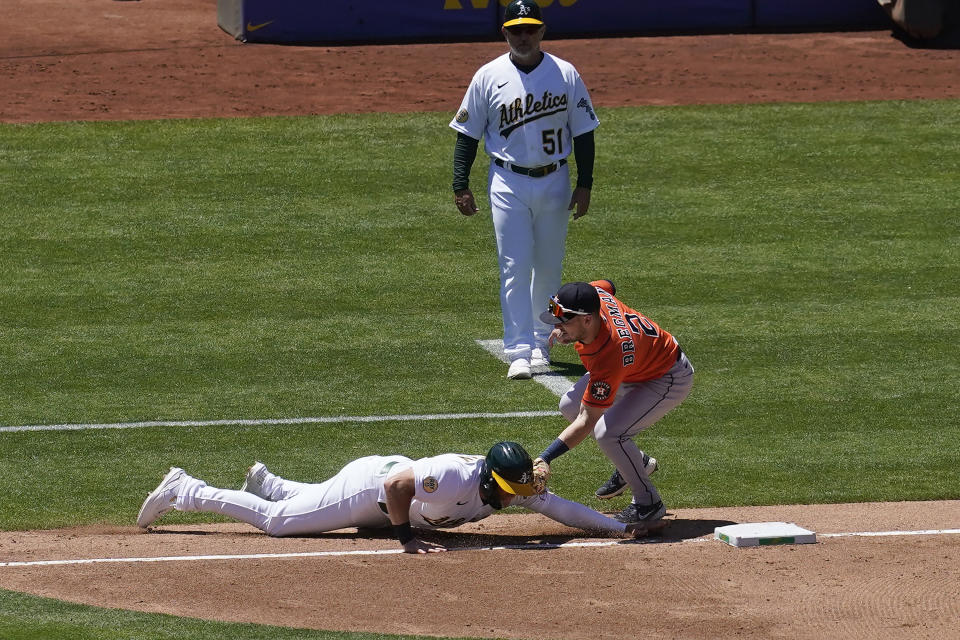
[641, 513]
[617, 485]
[612, 487]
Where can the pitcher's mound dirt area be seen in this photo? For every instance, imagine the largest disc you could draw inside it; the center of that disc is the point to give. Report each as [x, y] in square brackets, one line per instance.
[107, 60]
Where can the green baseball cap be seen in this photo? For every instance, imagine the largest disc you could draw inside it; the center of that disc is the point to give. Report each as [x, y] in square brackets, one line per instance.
[522, 12]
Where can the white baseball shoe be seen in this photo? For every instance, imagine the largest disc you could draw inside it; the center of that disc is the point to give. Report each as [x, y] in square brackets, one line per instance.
[162, 499]
[540, 357]
[519, 369]
[253, 483]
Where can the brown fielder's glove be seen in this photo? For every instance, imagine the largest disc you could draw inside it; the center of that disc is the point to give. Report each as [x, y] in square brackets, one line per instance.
[541, 474]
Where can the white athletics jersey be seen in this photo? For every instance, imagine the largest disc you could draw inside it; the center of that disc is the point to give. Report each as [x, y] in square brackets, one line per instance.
[528, 119]
[447, 491]
[448, 495]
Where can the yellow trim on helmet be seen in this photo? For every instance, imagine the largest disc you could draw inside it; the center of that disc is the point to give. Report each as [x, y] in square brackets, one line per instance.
[515, 488]
[516, 21]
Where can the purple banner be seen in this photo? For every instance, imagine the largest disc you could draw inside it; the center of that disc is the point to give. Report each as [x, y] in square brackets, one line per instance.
[349, 21]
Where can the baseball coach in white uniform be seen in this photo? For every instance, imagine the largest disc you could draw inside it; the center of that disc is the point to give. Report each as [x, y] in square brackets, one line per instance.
[532, 110]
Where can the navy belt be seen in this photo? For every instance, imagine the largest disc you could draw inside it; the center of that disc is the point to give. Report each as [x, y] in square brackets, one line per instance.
[536, 172]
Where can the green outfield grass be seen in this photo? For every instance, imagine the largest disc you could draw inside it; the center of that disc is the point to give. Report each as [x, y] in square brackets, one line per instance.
[805, 256]
[30, 618]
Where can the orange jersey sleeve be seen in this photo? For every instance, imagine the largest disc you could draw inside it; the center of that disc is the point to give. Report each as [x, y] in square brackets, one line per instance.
[630, 348]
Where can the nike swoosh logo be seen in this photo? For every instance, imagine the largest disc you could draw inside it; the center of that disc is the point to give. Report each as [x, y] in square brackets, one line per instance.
[462, 503]
[254, 27]
[501, 86]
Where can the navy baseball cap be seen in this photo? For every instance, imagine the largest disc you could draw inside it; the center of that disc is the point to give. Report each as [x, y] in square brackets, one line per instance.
[573, 299]
[522, 12]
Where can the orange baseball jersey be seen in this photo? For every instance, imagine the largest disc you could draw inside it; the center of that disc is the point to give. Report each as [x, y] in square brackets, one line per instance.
[630, 348]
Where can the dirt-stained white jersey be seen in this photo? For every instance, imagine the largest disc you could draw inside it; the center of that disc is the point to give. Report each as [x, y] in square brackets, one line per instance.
[528, 119]
[447, 491]
[448, 495]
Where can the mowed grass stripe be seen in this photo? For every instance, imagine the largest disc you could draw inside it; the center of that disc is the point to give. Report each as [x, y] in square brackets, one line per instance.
[803, 255]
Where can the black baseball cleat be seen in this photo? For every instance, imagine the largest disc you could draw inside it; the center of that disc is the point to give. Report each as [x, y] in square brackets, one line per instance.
[616, 484]
[612, 487]
[634, 513]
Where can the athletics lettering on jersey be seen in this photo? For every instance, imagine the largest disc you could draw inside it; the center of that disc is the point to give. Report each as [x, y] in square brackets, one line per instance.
[524, 110]
[501, 99]
[445, 522]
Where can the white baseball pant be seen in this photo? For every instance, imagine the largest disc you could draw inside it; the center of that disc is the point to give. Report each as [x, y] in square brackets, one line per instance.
[348, 499]
[530, 219]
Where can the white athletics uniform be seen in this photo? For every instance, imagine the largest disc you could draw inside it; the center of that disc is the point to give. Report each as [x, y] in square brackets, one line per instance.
[527, 121]
[447, 495]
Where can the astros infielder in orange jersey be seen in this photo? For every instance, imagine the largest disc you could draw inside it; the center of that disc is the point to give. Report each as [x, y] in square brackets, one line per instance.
[636, 373]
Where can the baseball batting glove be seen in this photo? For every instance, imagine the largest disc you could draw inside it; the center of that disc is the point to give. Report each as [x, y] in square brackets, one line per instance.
[422, 546]
[541, 474]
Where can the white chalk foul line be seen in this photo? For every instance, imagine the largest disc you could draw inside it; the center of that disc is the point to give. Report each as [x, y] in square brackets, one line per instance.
[314, 554]
[922, 532]
[380, 552]
[556, 383]
[280, 421]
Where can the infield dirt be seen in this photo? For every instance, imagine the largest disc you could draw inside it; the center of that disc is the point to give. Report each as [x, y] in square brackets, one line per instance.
[108, 60]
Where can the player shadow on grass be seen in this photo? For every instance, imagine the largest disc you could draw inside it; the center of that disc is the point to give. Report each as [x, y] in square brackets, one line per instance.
[571, 370]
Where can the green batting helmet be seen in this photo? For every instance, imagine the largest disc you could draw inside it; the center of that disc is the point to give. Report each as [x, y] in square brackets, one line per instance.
[508, 466]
